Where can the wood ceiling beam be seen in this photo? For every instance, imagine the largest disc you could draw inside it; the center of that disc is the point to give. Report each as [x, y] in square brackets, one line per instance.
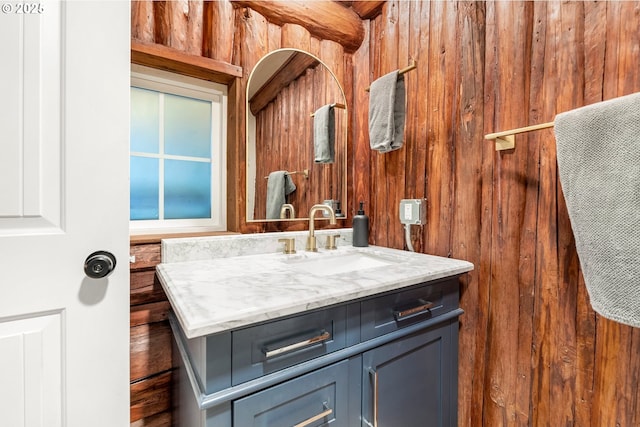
[367, 9]
[326, 20]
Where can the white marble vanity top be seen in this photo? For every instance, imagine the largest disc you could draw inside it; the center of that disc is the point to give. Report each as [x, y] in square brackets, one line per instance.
[219, 294]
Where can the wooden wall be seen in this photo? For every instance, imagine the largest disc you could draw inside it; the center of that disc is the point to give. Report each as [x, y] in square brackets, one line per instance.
[532, 352]
[151, 348]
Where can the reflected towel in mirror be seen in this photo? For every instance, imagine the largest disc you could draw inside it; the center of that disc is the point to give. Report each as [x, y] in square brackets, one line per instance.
[387, 112]
[279, 186]
[324, 134]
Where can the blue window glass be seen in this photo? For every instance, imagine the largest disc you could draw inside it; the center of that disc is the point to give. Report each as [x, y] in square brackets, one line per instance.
[187, 189]
[187, 126]
[144, 120]
[144, 190]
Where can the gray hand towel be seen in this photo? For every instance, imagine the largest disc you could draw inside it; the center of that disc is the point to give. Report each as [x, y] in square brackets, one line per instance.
[387, 112]
[324, 135]
[599, 166]
[279, 186]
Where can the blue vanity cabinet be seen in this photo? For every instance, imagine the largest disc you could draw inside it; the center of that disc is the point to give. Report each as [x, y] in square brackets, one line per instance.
[412, 381]
[386, 360]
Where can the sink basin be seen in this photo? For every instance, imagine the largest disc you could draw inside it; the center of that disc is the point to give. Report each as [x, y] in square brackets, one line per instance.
[329, 265]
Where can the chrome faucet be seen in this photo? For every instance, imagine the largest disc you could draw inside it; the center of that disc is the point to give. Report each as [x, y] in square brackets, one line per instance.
[287, 207]
[311, 240]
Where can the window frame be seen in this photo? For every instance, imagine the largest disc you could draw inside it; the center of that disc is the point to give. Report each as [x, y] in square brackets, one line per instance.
[176, 84]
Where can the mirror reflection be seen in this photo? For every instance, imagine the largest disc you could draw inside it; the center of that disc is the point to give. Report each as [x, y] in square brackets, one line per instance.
[296, 137]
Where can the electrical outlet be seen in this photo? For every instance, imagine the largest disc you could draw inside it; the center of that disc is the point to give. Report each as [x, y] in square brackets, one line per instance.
[413, 211]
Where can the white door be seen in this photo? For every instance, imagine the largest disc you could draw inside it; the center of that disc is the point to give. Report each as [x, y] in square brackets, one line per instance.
[64, 132]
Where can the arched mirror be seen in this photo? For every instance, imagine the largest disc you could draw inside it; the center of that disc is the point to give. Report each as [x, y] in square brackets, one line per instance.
[285, 90]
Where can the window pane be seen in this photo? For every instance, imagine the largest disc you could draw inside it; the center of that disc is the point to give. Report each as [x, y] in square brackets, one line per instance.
[144, 120]
[187, 189]
[187, 126]
[144, 188]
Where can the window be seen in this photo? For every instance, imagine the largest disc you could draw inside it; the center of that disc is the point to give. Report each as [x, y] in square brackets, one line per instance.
[177, 153]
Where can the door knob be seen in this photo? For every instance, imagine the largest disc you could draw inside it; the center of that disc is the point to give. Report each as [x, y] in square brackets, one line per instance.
[99, 264]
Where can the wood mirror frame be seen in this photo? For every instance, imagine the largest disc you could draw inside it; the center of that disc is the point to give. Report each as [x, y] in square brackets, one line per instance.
[283, 91]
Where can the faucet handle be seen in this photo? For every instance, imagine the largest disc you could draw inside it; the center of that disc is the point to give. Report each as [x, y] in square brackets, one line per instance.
[289, 245]
[331, 241]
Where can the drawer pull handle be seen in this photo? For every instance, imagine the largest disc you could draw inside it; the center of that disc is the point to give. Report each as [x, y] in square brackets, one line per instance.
[315, 418]
[324, 336]
[408, 313]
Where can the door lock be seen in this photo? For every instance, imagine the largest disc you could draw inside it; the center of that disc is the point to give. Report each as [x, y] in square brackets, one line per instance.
[99, 264]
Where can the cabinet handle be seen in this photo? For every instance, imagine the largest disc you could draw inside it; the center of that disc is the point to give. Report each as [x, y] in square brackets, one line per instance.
[320, 416]
[374, 374]
[408, 313]
[295, 346]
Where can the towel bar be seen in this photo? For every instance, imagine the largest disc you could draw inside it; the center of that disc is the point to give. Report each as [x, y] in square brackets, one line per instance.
[305, 172]
[506, 140]
[412, 66]
[334, 105]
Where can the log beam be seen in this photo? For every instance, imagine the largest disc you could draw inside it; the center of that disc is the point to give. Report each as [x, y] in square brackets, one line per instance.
[367, 9]
[326, 20]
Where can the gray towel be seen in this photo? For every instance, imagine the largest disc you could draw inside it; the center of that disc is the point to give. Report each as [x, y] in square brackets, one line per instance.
[599, 166]
[279, 186]
[324, 135]
[387, 112]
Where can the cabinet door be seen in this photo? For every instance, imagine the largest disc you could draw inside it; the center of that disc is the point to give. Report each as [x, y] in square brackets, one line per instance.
[412, 382]
[328, 396]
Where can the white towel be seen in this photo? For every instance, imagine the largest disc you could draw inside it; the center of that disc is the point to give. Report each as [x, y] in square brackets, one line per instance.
[599, 165]
[387, 112]
[279, 186]
[324, 135]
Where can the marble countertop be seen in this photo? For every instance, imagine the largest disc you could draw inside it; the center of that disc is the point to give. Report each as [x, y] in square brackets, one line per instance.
[215, 295]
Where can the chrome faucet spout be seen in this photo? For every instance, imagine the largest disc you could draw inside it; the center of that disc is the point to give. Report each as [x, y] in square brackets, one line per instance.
[311, 239]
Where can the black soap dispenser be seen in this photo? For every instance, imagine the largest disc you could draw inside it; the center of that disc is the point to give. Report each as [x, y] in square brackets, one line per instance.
[361, 228]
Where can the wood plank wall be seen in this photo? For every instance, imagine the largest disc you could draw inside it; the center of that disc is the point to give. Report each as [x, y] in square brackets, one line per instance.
[532, 352]
[150, 348]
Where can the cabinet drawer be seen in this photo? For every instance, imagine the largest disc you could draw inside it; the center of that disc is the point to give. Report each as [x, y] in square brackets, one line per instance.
[316, 399]
[267, 348]
[394, 311]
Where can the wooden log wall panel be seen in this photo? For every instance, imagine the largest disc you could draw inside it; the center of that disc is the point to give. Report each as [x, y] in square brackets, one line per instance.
[532, 351]
[150, 340]
[150, 350]
[218, 30]
[145, 288]
[172, 24]
[142, 21]
[160, 420]
[149, 313]
[468, 206]
[151, 397]
[146, 256]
